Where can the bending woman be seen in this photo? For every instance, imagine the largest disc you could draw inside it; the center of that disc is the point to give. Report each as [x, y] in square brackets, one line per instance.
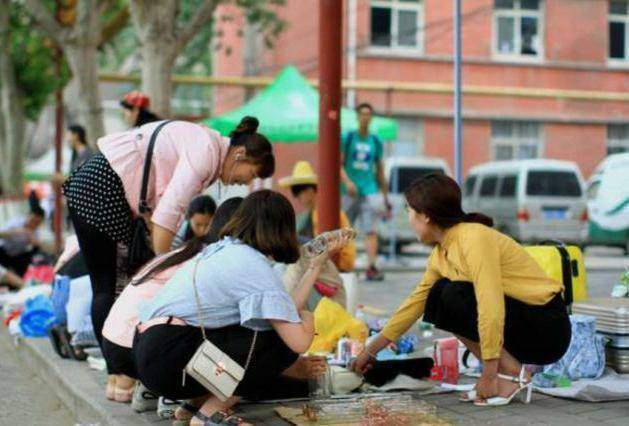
[239, 294]
[483, 287]
[103, 195]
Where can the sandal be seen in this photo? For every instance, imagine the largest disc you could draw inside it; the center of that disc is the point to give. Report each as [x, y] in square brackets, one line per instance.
[188, 407]
[219, 418]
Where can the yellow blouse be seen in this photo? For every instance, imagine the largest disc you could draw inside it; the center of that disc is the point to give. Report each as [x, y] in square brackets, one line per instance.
[495, 264]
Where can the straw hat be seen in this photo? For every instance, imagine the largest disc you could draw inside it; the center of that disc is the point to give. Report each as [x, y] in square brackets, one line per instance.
[302, 175]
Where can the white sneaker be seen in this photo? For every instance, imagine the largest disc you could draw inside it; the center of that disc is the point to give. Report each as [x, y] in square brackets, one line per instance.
[143, 399]
[166, 408]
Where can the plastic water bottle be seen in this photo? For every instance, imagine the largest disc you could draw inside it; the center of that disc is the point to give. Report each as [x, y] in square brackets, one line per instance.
[318, 245]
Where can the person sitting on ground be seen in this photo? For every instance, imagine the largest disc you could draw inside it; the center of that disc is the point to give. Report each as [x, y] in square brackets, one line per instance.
[483, 287]
[135, 109]
[242, 304]
[303, 185]
[198, 220]
[19, 240]
[122, 320]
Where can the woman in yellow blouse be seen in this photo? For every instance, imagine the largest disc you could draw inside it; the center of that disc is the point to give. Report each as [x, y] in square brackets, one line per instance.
[484, 288]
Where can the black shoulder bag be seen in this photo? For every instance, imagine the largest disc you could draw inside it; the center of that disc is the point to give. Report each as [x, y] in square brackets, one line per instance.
[140, 250]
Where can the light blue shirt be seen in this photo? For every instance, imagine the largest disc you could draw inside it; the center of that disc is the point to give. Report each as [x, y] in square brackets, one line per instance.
[237, 285]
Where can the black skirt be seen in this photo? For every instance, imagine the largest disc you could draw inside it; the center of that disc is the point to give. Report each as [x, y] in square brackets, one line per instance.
[162, 352]
[119, 359]
[532, 334]
[95, 193]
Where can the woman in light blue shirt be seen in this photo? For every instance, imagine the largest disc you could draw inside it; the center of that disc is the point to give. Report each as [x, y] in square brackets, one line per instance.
[239, 294]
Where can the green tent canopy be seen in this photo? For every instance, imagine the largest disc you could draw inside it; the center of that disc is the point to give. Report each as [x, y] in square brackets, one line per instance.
[288, 111]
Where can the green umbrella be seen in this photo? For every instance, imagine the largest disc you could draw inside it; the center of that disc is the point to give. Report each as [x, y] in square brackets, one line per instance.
[288, 111]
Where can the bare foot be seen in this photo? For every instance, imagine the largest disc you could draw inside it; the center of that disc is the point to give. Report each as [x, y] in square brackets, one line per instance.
[110, 390]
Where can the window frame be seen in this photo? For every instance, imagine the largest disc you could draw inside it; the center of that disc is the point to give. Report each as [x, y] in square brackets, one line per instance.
[485, 178]
[503, 179]
[395, 6]
[612, 143]
[517, 13]
[624, 19]
[515, 140]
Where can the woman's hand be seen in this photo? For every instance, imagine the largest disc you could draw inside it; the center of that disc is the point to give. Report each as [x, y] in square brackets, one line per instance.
[362, 364]
[487, 386]
[334, 246]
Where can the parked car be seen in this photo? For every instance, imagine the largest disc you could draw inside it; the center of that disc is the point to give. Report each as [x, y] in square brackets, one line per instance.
[608, 202]
[400, 172]
[531, 200]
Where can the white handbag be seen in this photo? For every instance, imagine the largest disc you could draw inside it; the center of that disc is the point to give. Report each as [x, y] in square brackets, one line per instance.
[210, 366]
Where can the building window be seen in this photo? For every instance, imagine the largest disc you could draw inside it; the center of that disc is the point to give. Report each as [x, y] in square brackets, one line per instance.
[617, 138]
[518, 28]
[618, 26]
[397, 24]
[515, 140]
[410, 138]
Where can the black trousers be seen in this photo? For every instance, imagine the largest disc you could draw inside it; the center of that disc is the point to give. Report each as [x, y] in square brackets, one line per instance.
[18, 263]
[162, 352]
[100, 256]
[532, 334]
[119, 359]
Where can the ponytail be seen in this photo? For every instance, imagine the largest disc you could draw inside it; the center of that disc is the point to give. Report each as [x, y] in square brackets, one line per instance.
[174, 258]
[478, 218]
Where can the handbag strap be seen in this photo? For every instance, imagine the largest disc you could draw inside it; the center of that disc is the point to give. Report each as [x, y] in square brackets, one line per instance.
[143, 206]
[198, 303]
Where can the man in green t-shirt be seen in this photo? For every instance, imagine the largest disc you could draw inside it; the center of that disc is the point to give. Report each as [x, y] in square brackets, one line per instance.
[362, 175]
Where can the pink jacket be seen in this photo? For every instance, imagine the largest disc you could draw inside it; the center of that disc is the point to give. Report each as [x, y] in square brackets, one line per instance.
[187, 159]
[123, 318]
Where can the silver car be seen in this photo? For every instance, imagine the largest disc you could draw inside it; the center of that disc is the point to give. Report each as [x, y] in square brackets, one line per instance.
[531, 200]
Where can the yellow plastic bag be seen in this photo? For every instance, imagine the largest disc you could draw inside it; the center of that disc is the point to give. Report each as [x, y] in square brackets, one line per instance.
[333, 322]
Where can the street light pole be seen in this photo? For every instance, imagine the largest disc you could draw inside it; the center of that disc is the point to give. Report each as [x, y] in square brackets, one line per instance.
[58, 216]
[458, 168]
[330, 47]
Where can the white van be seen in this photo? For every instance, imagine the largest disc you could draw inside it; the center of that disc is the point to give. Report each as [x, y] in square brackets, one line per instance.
[531, 200]
[608, 202]
[400, 172]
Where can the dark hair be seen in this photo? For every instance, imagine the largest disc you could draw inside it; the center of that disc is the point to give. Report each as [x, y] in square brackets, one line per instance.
[259, 149]
[170, 259]
[297, 189]
[364, 105]
[144, 115]
[203, 204]
[266, 221]
[34, 205]
[439, 197]
[223, 215]
[79, 131]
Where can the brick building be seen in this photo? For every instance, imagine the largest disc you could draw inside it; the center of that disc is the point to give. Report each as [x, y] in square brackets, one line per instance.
[552, 75]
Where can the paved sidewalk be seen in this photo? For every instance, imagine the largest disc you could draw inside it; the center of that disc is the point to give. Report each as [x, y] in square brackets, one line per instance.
[81, 389]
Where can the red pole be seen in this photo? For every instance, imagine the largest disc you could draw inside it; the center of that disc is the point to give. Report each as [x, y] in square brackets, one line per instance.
[58, 218]
[330, 47]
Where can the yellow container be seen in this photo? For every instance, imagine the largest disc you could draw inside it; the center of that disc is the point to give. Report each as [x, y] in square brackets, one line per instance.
[564, 264]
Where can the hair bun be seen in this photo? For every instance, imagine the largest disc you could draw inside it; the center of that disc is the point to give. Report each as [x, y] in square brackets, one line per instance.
[248, 125]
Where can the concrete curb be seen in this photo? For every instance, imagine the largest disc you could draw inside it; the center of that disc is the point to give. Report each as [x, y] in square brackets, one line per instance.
[75, 385]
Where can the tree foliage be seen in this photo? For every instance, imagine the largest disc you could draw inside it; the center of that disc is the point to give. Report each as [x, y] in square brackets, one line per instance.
[34, 62]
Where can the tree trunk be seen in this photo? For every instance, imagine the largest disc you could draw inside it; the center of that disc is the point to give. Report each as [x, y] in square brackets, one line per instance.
[84, 65]
[157, 67]
[12, 104]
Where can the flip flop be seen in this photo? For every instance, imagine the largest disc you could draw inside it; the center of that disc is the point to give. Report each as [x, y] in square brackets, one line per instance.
[219, 418]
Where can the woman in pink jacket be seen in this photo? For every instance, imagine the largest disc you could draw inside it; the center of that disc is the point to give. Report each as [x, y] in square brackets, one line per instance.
[103, 194]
